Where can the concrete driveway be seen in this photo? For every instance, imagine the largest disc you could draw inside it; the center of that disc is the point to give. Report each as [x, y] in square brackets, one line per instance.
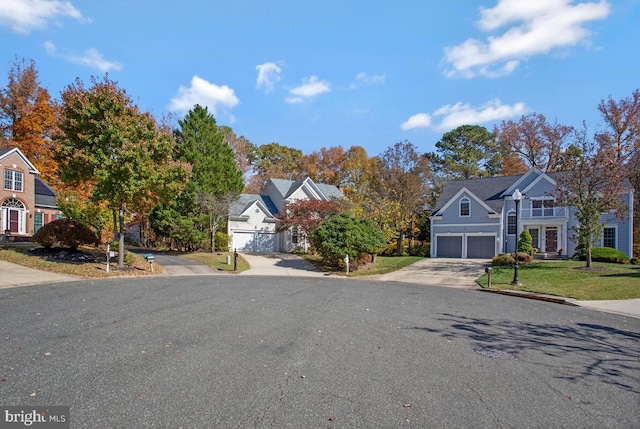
[279, 264]
[441, 272]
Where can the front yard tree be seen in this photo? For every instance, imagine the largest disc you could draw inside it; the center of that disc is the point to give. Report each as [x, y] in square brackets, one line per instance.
[215, 178]
[309, 214]
[347, 235]
[593, 186]
[105, 140]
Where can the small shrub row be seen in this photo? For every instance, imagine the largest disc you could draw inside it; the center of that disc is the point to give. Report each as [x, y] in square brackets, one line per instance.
[510, 259]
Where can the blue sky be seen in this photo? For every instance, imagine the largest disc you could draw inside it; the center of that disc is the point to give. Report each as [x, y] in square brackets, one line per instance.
[338, 73]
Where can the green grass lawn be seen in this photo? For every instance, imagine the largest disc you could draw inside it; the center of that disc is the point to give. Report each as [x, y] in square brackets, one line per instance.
[571, 279]
[218, 260]
[383, 265]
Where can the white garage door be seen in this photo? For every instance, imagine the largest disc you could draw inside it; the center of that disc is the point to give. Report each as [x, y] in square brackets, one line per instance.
[243, 241]
[254, 242]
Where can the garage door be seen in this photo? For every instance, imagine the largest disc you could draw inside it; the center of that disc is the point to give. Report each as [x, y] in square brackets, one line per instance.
[481, 247]
[265, 243]
[243, 241]
[254, 242]
[449, 247]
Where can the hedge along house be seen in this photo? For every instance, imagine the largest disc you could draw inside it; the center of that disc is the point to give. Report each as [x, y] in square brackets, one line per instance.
[477, 218]
[26, 201]
[252, 224]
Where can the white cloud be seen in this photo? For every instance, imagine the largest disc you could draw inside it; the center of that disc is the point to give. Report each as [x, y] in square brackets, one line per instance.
[537, 27]
[24, 16]
[204, 93]
[310, 87]
[268, 75]
[91, 58]
[463, 114]
[420, 120]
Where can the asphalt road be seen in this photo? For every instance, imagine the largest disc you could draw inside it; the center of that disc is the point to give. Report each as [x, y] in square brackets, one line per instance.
[260, 352]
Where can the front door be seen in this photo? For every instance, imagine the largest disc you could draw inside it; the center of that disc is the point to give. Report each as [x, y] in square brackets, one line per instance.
[551, 239]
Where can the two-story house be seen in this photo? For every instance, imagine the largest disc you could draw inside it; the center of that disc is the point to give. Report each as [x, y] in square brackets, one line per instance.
[26, 201]
[477, 218]
[252, 224]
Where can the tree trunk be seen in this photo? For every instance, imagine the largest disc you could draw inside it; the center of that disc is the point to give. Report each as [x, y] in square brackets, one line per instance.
[589, 257]
[121, 238]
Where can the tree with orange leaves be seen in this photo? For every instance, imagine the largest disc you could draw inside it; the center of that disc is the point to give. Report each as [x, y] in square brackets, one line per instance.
[28, 119]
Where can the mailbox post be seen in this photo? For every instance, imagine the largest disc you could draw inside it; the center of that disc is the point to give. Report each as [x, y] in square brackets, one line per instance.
[150, 258]
[488, 270]
[235, 260]
[110, 254]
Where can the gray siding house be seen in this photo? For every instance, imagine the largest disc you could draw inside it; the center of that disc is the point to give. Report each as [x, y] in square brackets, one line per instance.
[252, 224]
[477, 219]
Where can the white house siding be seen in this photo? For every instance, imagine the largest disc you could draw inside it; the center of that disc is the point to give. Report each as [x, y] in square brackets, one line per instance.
[253, 234]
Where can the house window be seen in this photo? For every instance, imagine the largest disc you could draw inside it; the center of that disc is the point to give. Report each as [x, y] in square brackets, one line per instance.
[535, 238]
[295, 236]
[609, 237]
[541, 208]
[511, 223]
[465, 207]
[13, 180]
[37, 222]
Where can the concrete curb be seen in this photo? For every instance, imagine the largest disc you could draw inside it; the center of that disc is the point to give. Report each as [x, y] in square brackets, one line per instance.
[537, 296]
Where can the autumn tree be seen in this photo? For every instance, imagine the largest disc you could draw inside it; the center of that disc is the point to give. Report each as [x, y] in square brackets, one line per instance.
[28, 119]
[275, 161]
[308, 214]
[244, 151]
[326, 165]
[106, 140]
[591, 187]
[401, 190]
[621, 135]
[467, 152]
[534, 140]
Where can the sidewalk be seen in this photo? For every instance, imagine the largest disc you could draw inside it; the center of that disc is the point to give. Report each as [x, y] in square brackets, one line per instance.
[12, 275]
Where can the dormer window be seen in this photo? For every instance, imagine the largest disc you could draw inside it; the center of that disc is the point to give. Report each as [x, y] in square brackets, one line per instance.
[465, 207]
[13, 180]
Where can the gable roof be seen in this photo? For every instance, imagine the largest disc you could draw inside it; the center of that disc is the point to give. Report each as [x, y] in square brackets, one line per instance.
[4, 153]
[245, 201]
[287, 187]
[488, 190]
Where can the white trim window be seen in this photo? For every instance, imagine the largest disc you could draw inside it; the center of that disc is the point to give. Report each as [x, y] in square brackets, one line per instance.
[609, 237]
[465, 207]
[13, 180]
[511, 223]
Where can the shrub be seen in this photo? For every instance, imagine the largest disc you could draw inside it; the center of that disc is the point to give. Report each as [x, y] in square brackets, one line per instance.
[525, 243]
[221, 241]
[634, 261]
[607, 254]
[523, 258]
[502, 259]
[345, 234]
[422, 250]
[66, 233]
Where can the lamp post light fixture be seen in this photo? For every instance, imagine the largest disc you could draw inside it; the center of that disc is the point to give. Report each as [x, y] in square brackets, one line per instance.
[517, 196]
